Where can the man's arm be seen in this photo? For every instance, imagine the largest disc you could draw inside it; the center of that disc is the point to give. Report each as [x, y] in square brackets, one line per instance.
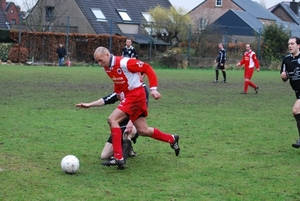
[134, 54]
[283, 73]
[109, 99]
[254, 57]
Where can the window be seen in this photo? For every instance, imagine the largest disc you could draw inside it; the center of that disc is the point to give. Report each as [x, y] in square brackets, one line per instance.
[124, 15]
[98, 14]
[13, 21]
[147, 17]
[12, 11]
[49, 13]
[202, 23]
[218, 2]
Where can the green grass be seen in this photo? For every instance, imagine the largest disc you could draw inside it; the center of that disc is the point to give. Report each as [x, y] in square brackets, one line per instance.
[234, 147]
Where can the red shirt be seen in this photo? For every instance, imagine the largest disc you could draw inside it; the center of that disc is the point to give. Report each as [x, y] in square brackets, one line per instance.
[124, 72]
[250, 60]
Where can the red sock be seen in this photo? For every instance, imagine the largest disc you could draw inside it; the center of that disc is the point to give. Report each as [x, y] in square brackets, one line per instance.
[246, 84]
[252, 84]
[165, 137]
[116, 134]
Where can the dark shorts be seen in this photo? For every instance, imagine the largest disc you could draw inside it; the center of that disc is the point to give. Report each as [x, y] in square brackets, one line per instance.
[219, 67]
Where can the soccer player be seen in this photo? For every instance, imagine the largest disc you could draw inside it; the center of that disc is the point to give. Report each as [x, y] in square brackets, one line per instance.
[290, 70]
[250, 61]
[128, 50]
[124, 72]
[221, 63]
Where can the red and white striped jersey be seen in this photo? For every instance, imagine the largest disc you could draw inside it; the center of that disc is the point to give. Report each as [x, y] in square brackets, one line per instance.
[250, 60]
[124, 72]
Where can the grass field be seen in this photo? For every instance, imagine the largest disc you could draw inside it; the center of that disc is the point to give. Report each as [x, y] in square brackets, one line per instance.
[233, 146]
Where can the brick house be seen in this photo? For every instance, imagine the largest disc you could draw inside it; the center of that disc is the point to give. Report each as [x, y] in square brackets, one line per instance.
[11, 11]
[210, 10]
[95, 17]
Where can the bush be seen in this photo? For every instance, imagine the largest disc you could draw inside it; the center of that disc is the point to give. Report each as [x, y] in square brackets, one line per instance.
[18, 54]
[4, 49]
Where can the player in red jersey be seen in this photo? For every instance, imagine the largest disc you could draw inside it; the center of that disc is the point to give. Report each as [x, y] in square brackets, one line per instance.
[124, 72]
[250, 61]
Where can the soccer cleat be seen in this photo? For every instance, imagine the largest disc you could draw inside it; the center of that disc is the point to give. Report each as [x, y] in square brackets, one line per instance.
[132, 153]
[256, 90]
[113, 161]
[175, 145]
[297, 144]
[243, 92]
[224, 81]
[215, 81]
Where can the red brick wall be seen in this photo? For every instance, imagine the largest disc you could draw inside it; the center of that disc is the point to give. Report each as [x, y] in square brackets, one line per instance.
[13, 14]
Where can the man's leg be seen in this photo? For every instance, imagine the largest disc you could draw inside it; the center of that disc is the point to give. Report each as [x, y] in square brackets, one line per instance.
[107, 151]
[113, 120]
[247, 76]
[143, 129]
[217, 75]
[246, 85]
[296, 113]
[224, 75]
[127, 147]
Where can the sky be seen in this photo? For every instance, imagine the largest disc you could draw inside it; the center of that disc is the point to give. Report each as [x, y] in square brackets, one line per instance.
[190, 4]
[186, 4]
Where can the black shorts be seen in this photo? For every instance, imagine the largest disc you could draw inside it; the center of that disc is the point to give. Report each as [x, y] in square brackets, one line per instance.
[219, 67]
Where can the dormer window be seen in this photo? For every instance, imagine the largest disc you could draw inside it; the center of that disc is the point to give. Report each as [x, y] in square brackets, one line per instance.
[218, 3]
[124, 15]
[98, 14]
[147, 17]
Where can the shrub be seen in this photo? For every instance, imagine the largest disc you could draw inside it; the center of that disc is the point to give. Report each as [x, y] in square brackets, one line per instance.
[4, 49]
[18, 54]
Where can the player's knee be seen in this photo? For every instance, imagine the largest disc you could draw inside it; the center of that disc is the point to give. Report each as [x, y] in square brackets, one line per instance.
[295, 111]
[110, 122]
[103, 156]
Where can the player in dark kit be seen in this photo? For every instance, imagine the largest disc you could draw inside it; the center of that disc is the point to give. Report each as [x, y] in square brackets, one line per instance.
[128, 50]
[290, 70]
[221, 63]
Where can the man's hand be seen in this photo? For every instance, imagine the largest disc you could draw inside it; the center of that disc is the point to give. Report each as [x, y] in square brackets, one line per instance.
[82, 105]
[284, 76]
[155, 94]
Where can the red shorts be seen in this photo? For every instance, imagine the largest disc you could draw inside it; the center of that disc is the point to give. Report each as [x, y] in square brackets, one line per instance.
[134, 104]
[248, 73]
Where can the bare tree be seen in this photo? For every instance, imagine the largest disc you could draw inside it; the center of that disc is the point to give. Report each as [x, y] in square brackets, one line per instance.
[44, 15]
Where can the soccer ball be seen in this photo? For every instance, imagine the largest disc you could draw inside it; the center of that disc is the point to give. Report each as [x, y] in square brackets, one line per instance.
[70, 164]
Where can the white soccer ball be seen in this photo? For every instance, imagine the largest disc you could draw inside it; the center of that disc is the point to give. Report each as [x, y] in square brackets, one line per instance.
[70, 164]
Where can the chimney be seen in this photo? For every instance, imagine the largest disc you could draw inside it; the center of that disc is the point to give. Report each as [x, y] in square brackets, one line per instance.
[294, 6]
